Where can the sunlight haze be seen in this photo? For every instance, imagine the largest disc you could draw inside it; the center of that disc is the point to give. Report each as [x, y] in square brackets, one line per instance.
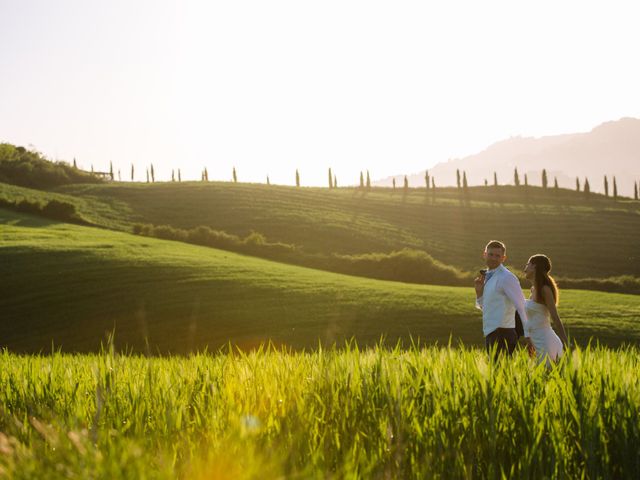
[270, 87]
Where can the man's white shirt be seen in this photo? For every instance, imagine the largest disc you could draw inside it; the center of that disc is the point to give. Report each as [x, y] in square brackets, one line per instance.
[501, 298]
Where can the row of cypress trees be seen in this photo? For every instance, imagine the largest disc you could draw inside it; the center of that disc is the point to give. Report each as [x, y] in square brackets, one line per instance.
[461, 180]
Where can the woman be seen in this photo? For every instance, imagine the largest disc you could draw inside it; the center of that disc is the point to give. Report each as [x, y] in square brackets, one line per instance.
[541, 309]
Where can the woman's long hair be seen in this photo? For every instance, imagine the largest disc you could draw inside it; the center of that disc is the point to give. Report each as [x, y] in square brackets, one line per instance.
[542, 278]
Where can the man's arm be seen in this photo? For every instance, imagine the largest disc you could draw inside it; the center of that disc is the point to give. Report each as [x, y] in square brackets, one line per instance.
[479, 285]
[511, 288]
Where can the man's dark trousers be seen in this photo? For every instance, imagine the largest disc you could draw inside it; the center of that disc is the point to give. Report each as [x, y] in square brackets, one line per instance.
[504, 340]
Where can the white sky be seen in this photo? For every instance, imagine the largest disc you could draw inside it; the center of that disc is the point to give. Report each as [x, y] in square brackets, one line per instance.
[271, 86]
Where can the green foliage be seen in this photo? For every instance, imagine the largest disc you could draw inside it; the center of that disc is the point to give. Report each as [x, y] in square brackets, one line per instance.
[19, 166]
[53, 209]
[406, 265]
[620, 284]
[587, 188]
[351, 413]
[254, 243]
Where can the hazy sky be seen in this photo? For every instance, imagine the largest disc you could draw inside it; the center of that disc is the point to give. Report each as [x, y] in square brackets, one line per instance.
[271, 86]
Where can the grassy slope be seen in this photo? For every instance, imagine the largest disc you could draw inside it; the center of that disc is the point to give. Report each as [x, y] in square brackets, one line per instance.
[70, 285]
[561, 224]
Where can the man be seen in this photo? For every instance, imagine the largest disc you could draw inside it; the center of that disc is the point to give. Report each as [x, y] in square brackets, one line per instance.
[499, 296]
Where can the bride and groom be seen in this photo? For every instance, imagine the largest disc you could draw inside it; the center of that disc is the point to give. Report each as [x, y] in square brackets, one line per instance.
[499, 296]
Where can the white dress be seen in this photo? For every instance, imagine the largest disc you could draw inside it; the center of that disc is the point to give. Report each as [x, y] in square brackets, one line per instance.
[548, 344]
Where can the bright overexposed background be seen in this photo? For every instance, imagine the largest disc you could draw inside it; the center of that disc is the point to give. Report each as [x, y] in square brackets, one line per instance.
[270, 86]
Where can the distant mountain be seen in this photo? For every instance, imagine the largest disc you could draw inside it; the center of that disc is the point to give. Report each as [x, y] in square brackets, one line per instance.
[612, 149]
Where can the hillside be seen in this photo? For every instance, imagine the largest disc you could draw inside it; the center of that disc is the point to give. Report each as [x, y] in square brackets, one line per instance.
[69, 286]
[612, 149]
[450, 226]
[30, 168]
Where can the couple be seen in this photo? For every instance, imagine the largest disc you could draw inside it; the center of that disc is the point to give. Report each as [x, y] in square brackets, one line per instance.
[499, 296]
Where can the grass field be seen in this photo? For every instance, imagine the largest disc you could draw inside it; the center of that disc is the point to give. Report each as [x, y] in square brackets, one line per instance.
[69, 286]
[349, 413]
[451, 227]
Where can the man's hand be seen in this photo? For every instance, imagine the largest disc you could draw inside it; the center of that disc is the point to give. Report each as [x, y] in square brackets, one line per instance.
[479, 284]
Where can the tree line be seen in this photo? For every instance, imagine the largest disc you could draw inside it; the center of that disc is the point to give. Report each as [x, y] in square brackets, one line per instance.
[29, 168]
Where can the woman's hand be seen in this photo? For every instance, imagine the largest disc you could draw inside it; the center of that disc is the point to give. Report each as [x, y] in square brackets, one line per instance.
[530, 347]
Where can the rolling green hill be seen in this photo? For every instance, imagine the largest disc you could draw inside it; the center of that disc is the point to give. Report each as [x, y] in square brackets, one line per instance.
[595, 237]
[67, 285]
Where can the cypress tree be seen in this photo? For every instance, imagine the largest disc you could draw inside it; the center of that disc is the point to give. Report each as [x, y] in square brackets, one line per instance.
[516, 177]
[269, 183]
[361, 179]
[235, 176]
[606, 186]
[335, 181]
[526, 180]
[635, 190]
[132, 172]
[458, 177]
[394, 183]
[406, 183]
[330, 179]
[577, 184]
[433, 183]
[555, 183]
[119, 178]
[486, 182]
[111, 170]
[147, 175]
[368, 181]
[587, 188]
[426, 178]
[297, 178]
[179, 176]
[153, 175]
[92, 168]
[75, 165]
[545, 181]
[495, 179]
[615, 189]
[206, 174]
[465, 185]
[173, 177]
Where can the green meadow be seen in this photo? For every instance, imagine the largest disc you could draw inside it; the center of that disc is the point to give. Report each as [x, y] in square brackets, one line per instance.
[447, 224]
[347, 413]
[69, 286]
